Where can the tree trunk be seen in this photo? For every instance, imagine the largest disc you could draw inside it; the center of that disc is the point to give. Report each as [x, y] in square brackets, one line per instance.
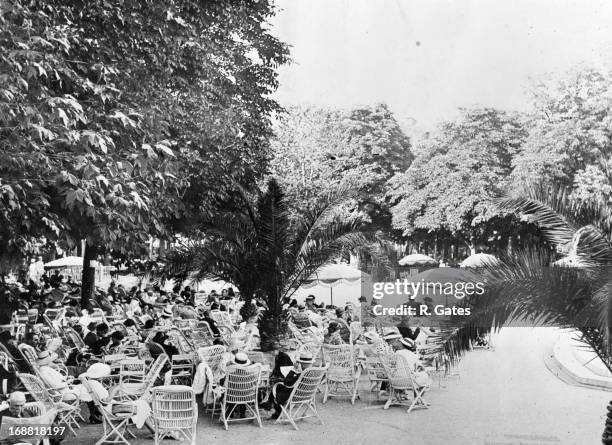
[88, 279]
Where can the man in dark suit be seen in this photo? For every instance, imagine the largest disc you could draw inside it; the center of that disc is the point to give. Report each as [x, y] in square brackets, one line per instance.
[283, 390]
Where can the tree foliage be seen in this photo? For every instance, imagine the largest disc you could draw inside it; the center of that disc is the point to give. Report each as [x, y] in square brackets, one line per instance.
[455, 175]
[316, 150]
[258, 247]
[118, 118]
[569, 128]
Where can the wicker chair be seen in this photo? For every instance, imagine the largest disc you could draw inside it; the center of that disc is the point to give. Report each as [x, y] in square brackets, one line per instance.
[221, 318]
[402, 389]
[241, 389]
[51, 399]
[202, 335]
[182, 369]
[376, 374]
[131, 377]
[114, 423]
[213, 357]
[341, 380]
[39, 417]
[302, 396]
[174, 409]
[5, 360]
[75, 340]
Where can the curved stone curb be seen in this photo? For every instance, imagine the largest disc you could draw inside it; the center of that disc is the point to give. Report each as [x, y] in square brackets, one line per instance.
[555, 366]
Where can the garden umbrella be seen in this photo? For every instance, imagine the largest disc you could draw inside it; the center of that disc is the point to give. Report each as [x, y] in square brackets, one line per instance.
[61, 263]
[479, 260]
[333, 275]
[417, 259]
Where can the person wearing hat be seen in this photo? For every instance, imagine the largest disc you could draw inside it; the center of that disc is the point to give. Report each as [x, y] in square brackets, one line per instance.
[332, 337]
[16, 403]
[166, 316]
[301, 318]
[345, 331]
[283, 390]
[406, 348]
[52, 377]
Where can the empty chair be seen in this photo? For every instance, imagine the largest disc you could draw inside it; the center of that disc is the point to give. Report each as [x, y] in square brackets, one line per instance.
[241, 385]
[131, 376]
[302, 397]
[174, 409]
[341, 380]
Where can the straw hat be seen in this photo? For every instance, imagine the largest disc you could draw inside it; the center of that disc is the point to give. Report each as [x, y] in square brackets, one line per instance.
[242, 359]
[305, 357]
[392, 336]
[167, 313]
[44, 358]
[408, 342]
[98, 370]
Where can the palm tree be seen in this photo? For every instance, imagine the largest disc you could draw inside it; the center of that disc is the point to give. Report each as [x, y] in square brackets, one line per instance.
[574, 292]
[259, 248]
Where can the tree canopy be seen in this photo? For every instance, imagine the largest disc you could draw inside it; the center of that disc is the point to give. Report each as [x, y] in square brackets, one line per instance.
[316, 150]
[120, 119]
[456, 173]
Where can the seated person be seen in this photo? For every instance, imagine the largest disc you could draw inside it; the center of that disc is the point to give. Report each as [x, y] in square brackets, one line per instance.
[16, 401]
[162, 339]
[406, 348]
[99, 340]
[7, 340]
[284, 389]
[333, 334]
[116, 342]
[212, 324]
[345, 331]
[301, 319]
[281, 360]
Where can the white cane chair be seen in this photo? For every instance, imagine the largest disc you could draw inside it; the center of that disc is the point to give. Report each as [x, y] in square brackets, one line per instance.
[302, 396]
[213, 357]
[377, 374]
[114, 423]
[402, 388]
[202, 335]
[66, 412]
[241, 388]
[182, 367]
[341, 380]
[221, 318]
[174, 409]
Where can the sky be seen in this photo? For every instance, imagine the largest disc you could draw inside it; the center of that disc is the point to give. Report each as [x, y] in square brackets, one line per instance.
[427, 58]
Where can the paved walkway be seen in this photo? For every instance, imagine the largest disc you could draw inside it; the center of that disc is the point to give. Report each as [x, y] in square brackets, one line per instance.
[506, 396]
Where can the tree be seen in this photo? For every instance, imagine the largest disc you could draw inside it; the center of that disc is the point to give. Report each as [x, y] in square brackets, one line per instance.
[532, 287]
[569, 128]
[316, 150]
[256, 246]
[104, 103]
[457, 171]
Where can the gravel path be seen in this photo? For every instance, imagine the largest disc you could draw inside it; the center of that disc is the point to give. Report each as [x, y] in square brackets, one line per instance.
[506, 396]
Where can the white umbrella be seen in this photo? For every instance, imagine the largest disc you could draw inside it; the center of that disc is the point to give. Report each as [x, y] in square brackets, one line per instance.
[333, 275]
[479, 260]
[417, 259]
[69, 261]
